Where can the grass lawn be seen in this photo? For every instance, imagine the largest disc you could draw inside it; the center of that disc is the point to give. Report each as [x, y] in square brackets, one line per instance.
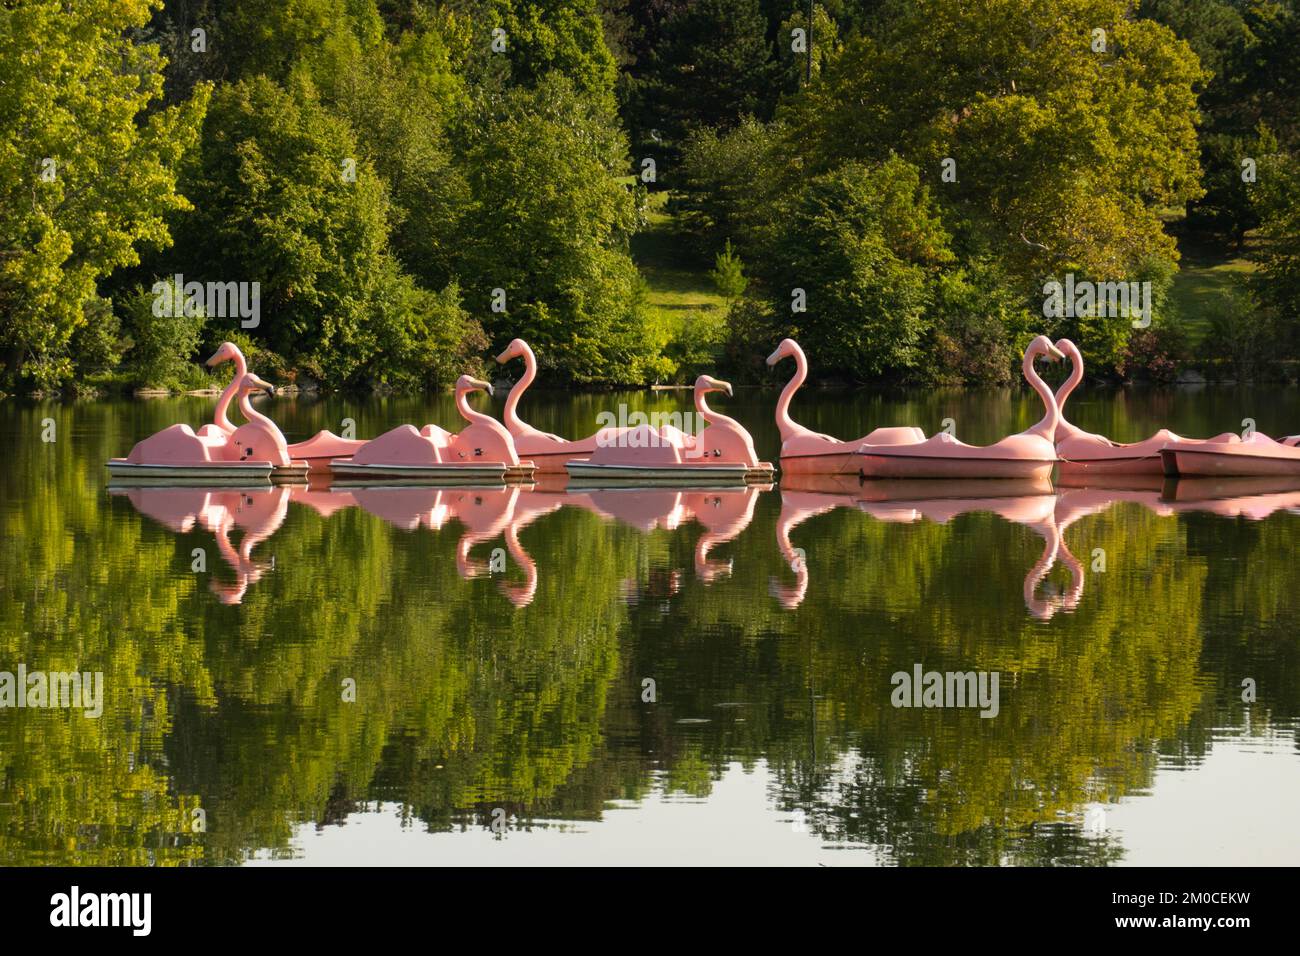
[681, 295]
[1203, 286]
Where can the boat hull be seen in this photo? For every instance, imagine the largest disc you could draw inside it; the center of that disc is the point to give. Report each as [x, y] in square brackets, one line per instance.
[1102, 467]
[1205, 463]
[833, 463]
[445, 473]
[666, 474]
[882, 465]
[253, 472]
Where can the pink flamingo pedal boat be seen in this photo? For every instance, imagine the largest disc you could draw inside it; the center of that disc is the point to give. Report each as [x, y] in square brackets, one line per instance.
[1084, 454]
[548, 452]
[316, 451]
[722, 454]
[1031, 454]
[252, 452]
[482, 451]
[806, 452]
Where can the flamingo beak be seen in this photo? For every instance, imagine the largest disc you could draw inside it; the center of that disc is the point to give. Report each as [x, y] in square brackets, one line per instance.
[270, 389]
[215, 360]
[479, 383]
[774, 357]
[723, 386]
[1054, 353]
[504, 357]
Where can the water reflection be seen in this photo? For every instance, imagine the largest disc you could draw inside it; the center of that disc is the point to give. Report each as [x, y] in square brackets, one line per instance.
[500, 642]
[499, 513]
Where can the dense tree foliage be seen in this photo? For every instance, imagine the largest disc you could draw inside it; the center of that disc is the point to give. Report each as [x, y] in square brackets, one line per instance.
[713, 66]
[1034, 133]
[549, 229]
[865, 243]
[491, 143]
[87, 172]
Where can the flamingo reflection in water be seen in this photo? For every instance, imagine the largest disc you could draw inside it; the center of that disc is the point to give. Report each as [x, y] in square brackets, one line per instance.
[484, 513]
[1027, 502]
[256, 512]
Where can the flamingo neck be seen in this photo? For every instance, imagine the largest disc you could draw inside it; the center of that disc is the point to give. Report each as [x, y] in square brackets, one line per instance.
[784, 423]
[510, 416]
[708, 414]
[219, 416]
[1070, 384]
[1042, 608]
[254, 416]
[469, 414]
[1046, 427]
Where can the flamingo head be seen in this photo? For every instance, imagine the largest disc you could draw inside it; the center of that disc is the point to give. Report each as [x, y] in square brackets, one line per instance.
[252, 383]
[226, 352]
[787, 348]
[1042, 346]
[515, 349]
[1069, 350]
[468, 383]
[707, 383]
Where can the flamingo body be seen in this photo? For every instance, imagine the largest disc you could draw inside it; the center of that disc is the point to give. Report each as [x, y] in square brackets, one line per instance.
[482, 450]
[806, 452]
[1031, 454]
[723, 451]
[253, 451]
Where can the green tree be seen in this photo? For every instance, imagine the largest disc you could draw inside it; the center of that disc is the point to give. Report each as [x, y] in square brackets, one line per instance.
[399, 97]
[276, 39]
[549, 227]
[286, 199]
[713, 67]
[730, 184]
[564, 36]
[1276, 200]
[87, 171]
[1037, 114]
[864, 243]
[728, 273]
[164, 332]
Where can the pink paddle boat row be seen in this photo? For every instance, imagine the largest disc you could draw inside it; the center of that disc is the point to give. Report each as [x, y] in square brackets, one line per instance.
[251, 453]
[722, 454]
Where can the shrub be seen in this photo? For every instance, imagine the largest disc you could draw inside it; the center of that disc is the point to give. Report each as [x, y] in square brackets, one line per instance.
[728, 273]
[1243, 336]
[1155, 354]
[164, 333]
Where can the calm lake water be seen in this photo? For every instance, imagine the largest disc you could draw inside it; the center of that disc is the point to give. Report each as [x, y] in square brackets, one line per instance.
[485, 676]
